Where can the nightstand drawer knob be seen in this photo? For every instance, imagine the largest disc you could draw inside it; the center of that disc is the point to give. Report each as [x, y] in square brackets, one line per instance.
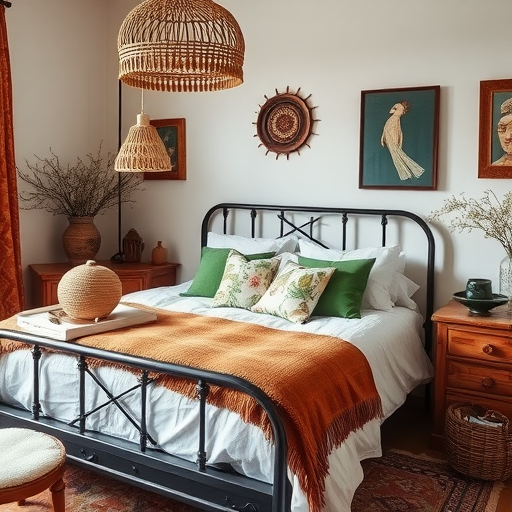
[487, 349]
[487, 382]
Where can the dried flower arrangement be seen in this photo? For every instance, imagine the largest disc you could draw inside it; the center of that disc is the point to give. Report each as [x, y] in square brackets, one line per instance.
[489, 214]
[85, 189]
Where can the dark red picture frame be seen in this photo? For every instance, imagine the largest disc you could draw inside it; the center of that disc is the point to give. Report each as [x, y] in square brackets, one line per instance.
[492, 95]
[172, 133]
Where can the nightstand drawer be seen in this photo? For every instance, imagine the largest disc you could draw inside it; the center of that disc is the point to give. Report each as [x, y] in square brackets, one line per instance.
[480, 346]
[481, 378]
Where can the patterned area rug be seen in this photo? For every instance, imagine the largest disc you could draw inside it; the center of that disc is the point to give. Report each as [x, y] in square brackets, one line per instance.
[401, 482]
[398, 482]
[87, 491]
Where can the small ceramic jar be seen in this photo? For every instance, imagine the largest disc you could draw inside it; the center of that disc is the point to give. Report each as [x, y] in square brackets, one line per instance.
[159, 254]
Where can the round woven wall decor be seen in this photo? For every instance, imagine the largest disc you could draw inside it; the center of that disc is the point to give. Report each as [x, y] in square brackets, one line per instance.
[285, 123]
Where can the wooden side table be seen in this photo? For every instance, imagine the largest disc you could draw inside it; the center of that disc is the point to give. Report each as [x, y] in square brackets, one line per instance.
[134, 277]
[473, 362]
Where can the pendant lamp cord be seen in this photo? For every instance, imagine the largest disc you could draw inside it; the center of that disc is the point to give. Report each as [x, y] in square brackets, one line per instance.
[119, 143]
[119, 257]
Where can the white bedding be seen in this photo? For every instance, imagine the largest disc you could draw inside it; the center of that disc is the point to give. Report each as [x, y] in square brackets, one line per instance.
[389, 340]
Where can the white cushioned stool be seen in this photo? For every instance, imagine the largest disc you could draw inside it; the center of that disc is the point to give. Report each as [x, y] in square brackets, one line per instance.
[31, 462]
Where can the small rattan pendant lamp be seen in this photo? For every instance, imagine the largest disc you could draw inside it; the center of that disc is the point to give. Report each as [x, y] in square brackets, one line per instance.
[143, 150]
[180, 46]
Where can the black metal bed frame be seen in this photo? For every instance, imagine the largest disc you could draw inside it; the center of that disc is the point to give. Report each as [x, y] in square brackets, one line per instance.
[196, 484]
[305, 230]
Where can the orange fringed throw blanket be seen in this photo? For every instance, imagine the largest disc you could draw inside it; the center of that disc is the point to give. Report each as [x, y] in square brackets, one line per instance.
[323, 386]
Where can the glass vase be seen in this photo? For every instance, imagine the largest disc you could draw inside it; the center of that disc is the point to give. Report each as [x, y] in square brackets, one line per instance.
[506, 280]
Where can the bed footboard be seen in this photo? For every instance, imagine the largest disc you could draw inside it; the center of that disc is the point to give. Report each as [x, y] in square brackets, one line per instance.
[196, 484]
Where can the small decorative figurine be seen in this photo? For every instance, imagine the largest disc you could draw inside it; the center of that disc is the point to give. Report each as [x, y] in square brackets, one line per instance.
[132, 246]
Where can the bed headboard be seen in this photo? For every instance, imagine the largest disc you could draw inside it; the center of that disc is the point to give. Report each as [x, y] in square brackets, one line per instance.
[341, 228]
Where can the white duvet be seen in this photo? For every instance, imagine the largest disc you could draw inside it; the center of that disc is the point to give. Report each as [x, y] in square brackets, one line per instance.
[389, 340]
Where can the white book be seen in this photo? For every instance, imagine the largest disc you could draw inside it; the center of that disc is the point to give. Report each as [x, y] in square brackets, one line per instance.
[51, 321]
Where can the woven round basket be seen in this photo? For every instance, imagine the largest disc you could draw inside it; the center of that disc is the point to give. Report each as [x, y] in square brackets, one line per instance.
[89, 291]
[479, 451]
[284, 123]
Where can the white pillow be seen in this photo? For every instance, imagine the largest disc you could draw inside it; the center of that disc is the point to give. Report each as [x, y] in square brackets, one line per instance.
[401, 291]
[377, 294]
[310, 249]
[402, 288]
[285, 257]
[246, 245]
[378, 290]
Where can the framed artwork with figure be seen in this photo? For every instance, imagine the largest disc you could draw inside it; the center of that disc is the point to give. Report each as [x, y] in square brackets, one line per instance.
[495, 139]
[172, 133]
[399, 138]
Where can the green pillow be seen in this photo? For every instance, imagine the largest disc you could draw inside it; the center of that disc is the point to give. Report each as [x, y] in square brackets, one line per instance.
[211, 269]
[343, 294]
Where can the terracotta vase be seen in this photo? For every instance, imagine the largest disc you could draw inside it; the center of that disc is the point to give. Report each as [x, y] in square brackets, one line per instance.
[159, 254]
[81, 240]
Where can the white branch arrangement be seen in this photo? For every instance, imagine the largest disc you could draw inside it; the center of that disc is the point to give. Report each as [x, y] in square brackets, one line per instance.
[489, 214]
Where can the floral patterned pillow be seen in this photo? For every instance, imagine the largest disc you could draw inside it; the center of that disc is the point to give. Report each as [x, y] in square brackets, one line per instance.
[295, 292]
[244, 282]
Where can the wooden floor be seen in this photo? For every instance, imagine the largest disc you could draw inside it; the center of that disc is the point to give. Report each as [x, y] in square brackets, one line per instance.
[409, 429]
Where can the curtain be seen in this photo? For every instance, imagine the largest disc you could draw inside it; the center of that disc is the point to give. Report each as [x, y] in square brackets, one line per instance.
[11, 277]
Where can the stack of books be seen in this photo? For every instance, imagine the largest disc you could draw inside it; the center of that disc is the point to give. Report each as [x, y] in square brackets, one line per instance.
[52, 321]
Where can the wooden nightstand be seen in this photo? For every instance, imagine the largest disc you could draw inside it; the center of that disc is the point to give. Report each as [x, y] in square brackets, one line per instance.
[473, 362]
[134, 277]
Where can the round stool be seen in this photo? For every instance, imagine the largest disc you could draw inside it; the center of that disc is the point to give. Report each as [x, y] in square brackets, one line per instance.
[31, 462]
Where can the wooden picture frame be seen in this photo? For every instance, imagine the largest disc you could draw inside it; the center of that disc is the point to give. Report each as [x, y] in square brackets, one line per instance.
[172, 133]
[399, 138]
[495, 146]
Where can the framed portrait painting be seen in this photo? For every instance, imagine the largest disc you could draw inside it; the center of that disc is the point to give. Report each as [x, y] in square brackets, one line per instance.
[399, 138]
[172, 133]
[495, 138]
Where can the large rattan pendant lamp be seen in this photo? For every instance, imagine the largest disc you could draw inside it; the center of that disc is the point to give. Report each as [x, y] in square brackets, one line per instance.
[180, 46]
